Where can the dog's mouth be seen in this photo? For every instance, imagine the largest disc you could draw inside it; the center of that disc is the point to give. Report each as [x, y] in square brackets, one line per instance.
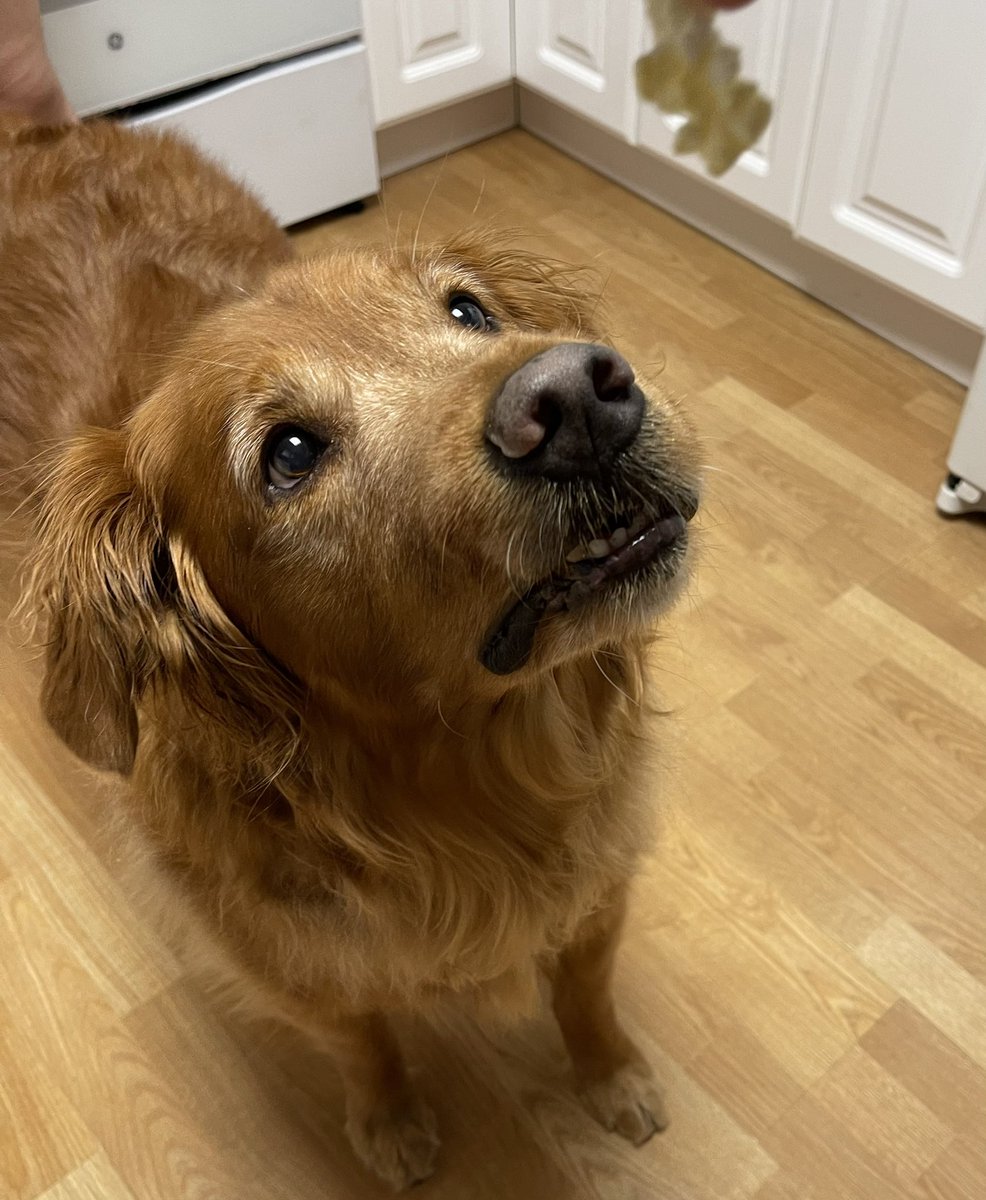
[636, 550]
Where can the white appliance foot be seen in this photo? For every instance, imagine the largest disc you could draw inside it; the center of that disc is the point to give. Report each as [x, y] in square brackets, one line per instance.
[957, 496]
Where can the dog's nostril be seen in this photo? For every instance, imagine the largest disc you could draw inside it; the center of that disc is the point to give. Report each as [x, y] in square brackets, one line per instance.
[549, 414]
[612, 376]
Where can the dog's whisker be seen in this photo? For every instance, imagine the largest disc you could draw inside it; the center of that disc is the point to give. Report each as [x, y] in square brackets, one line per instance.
[385, 213]
[509, 573]
[441, 717]
[189, 361]
[611, 682]
[424, 209]
[601, 292]
[479, 198]
[441, 557]
[396, 239]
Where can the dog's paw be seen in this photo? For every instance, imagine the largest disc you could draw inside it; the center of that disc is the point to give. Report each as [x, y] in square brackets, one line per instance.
[398, 1144]
[627, 1103]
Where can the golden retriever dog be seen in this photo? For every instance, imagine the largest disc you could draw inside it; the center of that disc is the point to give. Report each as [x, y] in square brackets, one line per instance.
[351, 566]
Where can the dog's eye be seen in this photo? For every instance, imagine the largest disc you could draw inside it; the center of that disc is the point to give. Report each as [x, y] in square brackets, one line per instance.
[292, 455]
[469, 312]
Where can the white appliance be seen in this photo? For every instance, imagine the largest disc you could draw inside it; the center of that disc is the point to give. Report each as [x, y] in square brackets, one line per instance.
[964, 490]
[278, 92]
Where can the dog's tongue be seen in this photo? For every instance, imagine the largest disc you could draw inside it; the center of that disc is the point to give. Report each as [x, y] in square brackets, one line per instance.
[511, 640]
[510, 644]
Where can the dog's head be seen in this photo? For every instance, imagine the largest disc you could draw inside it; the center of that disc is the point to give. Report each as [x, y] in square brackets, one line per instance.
[387, 474]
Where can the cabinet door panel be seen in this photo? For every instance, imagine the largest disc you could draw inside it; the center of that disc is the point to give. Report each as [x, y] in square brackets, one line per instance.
[782, 43]
[425, 53]
[580, 53]
[898, 174]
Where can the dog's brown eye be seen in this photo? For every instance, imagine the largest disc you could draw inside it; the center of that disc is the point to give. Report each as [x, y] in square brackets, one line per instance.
[469, 312]
[292, 455]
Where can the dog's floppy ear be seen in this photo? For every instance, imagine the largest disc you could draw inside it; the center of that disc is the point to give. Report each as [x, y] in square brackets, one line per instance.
[95, 590]
[125, 609]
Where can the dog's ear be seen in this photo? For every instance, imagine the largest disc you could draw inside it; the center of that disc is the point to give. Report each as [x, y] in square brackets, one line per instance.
[126, 609]
[94, 592]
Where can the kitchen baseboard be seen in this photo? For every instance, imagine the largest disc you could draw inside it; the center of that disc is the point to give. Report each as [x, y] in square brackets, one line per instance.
[935, 337]
[440, 131]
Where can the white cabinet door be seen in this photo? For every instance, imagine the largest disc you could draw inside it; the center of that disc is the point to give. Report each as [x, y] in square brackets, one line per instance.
[899, 165]
[425, 53]
[581, 53]
[782, 44]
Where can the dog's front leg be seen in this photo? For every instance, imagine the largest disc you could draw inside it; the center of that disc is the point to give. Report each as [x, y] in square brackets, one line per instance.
[613, 1077]
[391, 1129]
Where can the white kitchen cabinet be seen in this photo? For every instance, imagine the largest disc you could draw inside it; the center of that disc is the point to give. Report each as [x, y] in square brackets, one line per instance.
[268, 128]
[581, 53]
[426, 53]
[279, 94]
[897, 176]
[782, 43]
[111, 53]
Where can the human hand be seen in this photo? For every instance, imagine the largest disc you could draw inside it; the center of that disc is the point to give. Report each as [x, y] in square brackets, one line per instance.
[32, 88]
[28, 83]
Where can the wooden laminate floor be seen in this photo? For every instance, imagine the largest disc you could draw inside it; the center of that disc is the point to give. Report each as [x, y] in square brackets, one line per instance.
[806, 959]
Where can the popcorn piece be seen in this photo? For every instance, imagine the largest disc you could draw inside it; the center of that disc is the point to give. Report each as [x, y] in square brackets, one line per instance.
[692, 72]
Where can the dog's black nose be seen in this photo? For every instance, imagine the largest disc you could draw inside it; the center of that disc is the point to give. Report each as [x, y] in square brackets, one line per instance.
[566, 413]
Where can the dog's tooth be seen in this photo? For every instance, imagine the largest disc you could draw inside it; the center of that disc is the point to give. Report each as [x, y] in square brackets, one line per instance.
[598, 548]
[577, 554]
[619, 537]
[639, 521]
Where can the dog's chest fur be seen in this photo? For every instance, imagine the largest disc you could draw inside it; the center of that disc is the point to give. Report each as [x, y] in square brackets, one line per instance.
[445, 867]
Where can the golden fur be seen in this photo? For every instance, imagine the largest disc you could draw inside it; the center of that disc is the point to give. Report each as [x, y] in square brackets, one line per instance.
[345, 812]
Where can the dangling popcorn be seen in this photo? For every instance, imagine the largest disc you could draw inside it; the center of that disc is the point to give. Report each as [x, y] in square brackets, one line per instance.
[693, 73]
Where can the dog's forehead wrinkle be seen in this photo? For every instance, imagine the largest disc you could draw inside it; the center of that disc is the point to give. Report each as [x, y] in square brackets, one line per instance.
[361, 279]
[360, 288]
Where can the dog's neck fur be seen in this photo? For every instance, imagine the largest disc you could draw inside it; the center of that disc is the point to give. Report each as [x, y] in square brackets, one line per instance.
[480, 845]
[550, 736]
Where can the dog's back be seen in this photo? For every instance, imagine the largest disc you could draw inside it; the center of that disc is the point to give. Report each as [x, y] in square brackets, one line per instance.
[111, 242]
